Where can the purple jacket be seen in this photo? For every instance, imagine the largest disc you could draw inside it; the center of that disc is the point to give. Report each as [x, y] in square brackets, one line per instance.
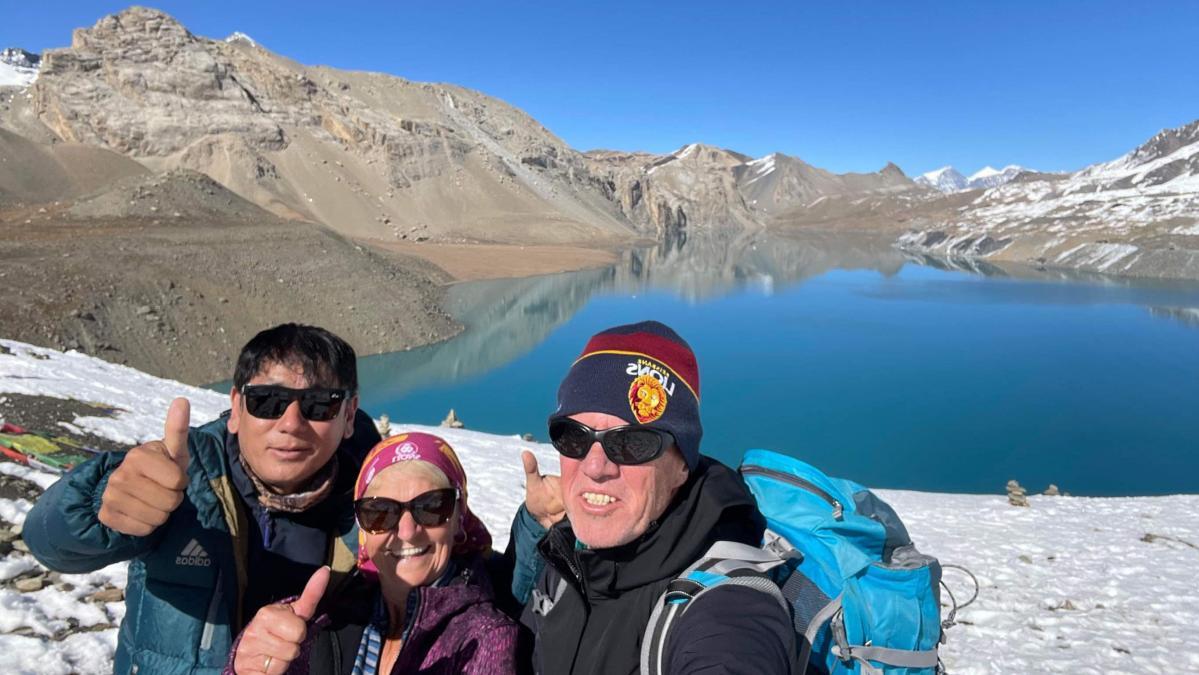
[456, 629]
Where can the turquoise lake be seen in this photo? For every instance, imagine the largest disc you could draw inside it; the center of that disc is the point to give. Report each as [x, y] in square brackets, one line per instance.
[894, 371]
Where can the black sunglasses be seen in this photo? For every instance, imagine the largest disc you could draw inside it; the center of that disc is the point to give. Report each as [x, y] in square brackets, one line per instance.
[631, 444]
[428, 509]
[269, 401]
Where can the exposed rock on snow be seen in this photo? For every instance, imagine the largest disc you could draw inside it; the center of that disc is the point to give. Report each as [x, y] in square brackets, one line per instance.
[1069, 585]
[1016, 495]
[451, 421]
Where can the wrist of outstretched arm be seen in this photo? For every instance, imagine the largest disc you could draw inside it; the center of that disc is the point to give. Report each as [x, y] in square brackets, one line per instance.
[529, 524]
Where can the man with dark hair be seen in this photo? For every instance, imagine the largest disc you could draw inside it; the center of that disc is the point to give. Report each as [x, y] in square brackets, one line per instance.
[221, 519]
[641, 504]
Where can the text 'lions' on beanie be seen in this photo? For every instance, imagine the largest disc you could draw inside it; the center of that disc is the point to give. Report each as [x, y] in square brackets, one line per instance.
[641, 372]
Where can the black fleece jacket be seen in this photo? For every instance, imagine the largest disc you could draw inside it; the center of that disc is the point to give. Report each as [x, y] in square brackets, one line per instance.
[597, 624]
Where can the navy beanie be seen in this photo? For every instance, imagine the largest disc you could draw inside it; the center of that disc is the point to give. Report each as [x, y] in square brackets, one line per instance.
[643, 373]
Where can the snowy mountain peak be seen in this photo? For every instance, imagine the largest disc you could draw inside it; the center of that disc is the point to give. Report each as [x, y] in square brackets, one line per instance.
[1165, 143]
[989, 177]
[15, 56]
[18, 68]
[242, 38]
[934, 175]
[948, 179]
[985, 172]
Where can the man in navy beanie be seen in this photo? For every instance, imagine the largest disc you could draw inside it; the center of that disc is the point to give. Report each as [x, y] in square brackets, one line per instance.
[635, 505]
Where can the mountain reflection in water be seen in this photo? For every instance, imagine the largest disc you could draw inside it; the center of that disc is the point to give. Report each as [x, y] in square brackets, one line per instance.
[893, 369]
[506, 318]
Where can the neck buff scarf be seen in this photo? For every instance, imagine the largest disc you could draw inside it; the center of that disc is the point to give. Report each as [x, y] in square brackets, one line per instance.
[318, 487]
[434, 450]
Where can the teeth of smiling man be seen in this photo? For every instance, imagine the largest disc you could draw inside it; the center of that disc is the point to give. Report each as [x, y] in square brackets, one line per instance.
[597, 499]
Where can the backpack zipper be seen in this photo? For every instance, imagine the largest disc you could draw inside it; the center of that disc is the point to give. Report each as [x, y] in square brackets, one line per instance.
[838, 509]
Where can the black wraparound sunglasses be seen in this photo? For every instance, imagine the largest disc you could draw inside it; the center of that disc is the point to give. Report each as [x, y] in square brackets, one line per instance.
[428, 509]
[269, 401]
[631, 444]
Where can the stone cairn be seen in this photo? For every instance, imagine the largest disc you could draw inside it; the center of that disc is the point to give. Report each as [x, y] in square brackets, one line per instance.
[384, 425]
[1016, 495]
[451, 420]
[1052, 491]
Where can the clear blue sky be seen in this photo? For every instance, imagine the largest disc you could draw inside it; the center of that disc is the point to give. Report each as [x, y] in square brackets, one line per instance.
[847, 86]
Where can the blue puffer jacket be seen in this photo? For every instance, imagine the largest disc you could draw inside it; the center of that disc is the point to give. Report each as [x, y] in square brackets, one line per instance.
[187, 580]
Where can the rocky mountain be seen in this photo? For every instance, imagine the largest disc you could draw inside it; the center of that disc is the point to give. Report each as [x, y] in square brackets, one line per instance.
[188, 190]
[948, 179]
[381, 159]
[1136, 215]
[369, 155]
[18, 68]
[715, 187]
[378, 157]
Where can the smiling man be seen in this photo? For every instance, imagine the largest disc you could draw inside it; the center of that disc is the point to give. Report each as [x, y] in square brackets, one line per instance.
[641, 504]
[221, 519]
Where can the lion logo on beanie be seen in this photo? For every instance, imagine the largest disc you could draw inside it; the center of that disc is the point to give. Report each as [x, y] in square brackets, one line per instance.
[647, 398]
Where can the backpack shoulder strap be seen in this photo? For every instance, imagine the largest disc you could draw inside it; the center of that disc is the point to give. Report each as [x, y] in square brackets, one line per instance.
[725, 563]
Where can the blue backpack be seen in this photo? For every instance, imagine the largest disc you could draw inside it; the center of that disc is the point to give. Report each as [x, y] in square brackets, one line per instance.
[838, 559]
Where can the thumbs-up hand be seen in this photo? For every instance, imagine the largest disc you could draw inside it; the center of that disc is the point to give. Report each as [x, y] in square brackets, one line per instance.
[273, 638]
[150, 482]
[543, 494]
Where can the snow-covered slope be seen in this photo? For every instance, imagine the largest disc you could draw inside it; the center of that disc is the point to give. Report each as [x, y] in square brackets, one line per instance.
[1068, 585]
[18, 68]
[1135, 215]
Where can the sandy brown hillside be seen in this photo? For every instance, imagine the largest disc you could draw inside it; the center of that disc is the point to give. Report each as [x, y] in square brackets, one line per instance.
[32, 172]
[371, 156]
[186, 271]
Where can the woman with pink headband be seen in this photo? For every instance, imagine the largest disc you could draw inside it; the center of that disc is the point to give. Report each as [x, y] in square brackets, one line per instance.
[420, 600]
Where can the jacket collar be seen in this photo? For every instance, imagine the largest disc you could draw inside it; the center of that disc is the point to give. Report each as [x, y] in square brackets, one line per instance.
[712, 505]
